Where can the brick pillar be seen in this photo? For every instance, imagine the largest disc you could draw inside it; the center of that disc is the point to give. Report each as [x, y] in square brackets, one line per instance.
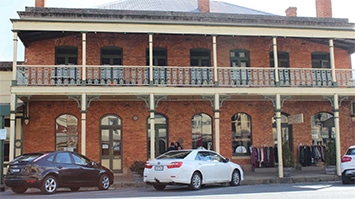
[40, 3]
[204, 5]
[324, 8]
[291, 12]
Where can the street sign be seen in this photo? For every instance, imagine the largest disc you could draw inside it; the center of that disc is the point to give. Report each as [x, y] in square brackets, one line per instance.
[295, 119]
[2, 134]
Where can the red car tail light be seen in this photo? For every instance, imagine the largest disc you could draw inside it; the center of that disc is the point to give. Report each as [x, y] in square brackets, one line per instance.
[173, 165]
[148, 166]
[345, 159]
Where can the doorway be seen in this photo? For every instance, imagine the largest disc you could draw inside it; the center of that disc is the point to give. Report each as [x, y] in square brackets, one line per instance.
[161, 135]
[111, 143]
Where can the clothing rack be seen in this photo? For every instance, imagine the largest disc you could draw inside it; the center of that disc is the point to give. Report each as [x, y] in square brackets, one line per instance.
[310, 155]
[263, 157]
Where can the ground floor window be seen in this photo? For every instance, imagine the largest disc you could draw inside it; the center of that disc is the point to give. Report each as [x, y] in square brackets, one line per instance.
[241, 134]
[322, 128]
[202, 131]
[66, 130]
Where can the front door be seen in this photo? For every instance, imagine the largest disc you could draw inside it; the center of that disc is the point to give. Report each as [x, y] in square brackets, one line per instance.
[111, 143]
[161, 135]
[161, 140]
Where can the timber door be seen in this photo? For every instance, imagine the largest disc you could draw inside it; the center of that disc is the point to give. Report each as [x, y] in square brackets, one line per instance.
[111, 143]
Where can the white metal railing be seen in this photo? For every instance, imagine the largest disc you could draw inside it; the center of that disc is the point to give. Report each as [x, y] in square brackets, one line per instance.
[70, 75]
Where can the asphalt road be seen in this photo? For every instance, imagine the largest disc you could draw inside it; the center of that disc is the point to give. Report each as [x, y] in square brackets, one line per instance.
[272, 191]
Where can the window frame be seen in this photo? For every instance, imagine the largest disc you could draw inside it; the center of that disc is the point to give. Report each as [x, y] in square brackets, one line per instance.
[244, 141]
[283, 58]
[236, 61]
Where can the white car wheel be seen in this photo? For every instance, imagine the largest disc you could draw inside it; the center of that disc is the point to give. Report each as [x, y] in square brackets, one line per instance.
[235, 181]
[196, 181]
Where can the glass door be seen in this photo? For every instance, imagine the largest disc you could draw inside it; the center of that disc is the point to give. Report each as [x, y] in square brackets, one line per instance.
[111, 143]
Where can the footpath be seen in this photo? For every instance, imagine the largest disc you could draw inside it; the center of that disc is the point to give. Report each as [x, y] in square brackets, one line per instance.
[250, 178]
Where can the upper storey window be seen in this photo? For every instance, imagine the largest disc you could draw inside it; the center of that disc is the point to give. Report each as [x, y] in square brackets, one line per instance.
[66, 55]
[283, 59]
[159, 57]
[111, 56]
[200, 57]
[320, 60]
[239, 58]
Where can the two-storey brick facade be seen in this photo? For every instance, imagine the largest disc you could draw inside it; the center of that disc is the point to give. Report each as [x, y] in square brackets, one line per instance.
[119, 85]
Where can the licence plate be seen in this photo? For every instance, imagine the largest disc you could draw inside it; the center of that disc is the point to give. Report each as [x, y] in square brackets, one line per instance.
[15, 170]
[159, 168]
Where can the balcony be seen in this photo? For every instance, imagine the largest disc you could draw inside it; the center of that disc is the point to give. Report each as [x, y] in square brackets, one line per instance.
[170, 76]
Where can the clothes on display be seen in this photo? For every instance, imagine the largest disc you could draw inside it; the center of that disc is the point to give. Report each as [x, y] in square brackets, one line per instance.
[263, 157]
[310, 155]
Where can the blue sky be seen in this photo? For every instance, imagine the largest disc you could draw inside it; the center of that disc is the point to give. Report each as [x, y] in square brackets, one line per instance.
[9, 8]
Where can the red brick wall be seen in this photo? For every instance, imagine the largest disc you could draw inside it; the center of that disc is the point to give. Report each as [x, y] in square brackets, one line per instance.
[178, 48]
[324, 8]
[39, 134]
[204, 5]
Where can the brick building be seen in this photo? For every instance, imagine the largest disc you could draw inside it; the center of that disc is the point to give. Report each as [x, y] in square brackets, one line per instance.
[119, 83]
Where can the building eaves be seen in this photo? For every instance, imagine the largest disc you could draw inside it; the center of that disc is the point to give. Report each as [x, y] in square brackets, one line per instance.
[181, 17]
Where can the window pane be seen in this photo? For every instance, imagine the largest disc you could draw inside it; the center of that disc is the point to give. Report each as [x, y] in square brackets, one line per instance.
[240, 58]
[202, 131]
[241, 133]
[66, 133]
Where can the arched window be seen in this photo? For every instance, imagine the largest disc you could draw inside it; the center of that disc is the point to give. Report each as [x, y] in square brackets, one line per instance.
[241, 134]
[322, 128]
[66, 131]
[202, 131]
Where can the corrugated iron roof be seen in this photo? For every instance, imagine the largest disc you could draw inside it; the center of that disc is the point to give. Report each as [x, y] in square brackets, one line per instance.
[179, 6]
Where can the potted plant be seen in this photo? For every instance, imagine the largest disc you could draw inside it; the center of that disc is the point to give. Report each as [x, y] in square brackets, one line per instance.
[287, 159]
[330, 158]
[137, 168]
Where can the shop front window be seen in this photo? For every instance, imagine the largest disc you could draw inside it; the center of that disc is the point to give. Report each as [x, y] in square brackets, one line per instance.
[66, 130]
[322, 128]
[241, 134]
[202, 131]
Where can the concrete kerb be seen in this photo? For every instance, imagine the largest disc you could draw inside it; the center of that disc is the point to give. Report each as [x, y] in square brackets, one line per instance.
[125, 182]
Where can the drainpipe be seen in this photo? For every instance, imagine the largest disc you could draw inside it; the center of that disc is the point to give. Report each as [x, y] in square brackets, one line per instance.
[14, 60]
[83, 72]
[332, 62]
[151, 59]
[276, 61]
[279, 137]
[152, 125]
[214, 43]
[337, 133]
[83, 123]
[216, 121]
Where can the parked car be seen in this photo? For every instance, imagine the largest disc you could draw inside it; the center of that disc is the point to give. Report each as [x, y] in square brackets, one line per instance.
[51, 170]
[348, 166]
[195, 167]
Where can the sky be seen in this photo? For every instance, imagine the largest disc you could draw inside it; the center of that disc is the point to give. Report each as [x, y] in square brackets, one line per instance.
[9, 8]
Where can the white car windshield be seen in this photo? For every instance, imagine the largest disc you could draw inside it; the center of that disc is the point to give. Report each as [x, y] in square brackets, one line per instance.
[174, 155]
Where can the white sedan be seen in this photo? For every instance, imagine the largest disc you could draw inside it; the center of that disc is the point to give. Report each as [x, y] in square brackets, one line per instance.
[195, 167]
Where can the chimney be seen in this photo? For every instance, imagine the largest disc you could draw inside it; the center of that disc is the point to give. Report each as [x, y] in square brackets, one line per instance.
[291, 12]
[204, 5]
[324, 8]
[40, 3]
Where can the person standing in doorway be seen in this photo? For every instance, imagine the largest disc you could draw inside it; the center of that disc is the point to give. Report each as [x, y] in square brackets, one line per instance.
[172, 146]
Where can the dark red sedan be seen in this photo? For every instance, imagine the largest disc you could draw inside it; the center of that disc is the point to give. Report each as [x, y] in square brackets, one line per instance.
[50, 170]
